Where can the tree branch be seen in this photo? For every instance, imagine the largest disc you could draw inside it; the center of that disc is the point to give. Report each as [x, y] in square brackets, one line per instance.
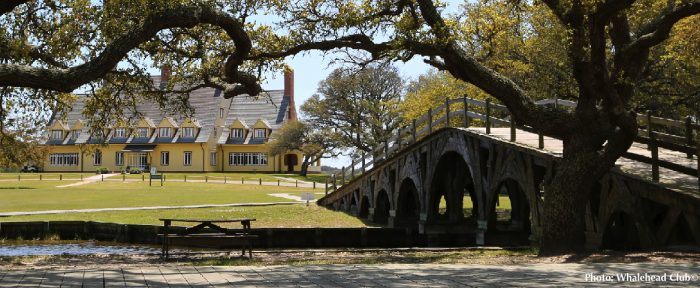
[67, 80]
[658, 30]
[9, 5]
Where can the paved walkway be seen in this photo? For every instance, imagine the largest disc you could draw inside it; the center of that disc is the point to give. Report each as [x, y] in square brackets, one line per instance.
[390, 275]
[89, 180]
[6, 214]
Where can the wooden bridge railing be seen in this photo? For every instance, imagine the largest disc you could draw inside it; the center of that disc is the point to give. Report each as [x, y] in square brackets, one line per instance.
[656, 132]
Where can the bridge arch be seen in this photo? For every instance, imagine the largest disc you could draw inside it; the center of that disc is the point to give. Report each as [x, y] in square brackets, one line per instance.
[451, 180]
[621, 232]
[408, 204]
[382, 206]
[364, 207]
[519, 218]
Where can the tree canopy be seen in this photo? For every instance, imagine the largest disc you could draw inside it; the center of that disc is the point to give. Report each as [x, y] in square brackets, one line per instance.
[605, 54]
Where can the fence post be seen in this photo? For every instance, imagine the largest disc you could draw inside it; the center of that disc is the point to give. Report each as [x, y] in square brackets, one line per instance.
[466, 112]
[143, 177]
[386, 149]
[342, 176]
[40, 177]
[185, 178]
[278, 182]
[363, 162]
[541, 139]
[259, 181]
[352, 170]
[512, 128]
[488, 116]
[556, 103]
[206, 178]
[314, 184]
[225, 179]
[447, 112]
[430, 120]
[689, 134]
[242, 180]
[414, 130]
[654, 157]
[398, 137]
[123, 177]
[326, 185]
[19, 177]
[649, 128]
[296, 183]
[103, 177]
[335, 184]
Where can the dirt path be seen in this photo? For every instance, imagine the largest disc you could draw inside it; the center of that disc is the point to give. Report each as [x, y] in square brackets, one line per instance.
[89, 180]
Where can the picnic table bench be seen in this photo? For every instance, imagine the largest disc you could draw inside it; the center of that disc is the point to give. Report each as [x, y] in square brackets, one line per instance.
[220, 237]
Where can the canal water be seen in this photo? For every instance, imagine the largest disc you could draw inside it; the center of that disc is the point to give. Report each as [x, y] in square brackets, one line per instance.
[35, 248]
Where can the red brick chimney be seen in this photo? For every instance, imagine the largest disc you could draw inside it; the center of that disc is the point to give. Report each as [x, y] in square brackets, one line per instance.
[165, 72]
[289, 92]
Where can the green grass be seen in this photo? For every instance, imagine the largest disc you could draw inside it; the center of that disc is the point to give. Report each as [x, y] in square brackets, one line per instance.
[289, 216]
[44, 176]
[319, 178]
[44, 195]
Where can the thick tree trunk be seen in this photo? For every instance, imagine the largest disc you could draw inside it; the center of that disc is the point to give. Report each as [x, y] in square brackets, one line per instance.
[304, 167]
[583, 164]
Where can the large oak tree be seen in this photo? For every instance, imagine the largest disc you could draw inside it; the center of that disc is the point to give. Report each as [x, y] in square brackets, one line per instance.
[607, 44]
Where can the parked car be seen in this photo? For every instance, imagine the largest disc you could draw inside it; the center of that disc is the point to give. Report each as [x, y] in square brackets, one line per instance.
[31, 169]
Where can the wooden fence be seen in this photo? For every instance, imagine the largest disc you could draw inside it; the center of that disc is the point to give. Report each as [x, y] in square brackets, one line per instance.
[655, 132]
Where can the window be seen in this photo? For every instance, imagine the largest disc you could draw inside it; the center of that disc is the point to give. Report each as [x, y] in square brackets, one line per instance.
[63, 159]
[142, 133]
[75, 135]
[56, 134]
[164, 158]
[221, 112]
[119, 159]
[97, 158]
[187, 158]
[164, 132]
[212, 158]
[247, 159]
[120, 133]
[260, 133]
[237, 133]
[188, 132]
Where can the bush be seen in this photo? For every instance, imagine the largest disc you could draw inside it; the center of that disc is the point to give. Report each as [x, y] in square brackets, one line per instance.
[102, 170]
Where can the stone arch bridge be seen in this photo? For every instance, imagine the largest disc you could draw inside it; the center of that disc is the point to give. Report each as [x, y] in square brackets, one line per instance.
[441, 175]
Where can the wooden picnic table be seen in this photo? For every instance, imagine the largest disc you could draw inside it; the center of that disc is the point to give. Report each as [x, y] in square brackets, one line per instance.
[197, 236]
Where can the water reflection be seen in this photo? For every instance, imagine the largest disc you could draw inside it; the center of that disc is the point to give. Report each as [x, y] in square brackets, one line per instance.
[32, 248]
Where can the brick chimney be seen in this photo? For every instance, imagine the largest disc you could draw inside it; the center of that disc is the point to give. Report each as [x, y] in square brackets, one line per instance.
[289, 92]
[165, 72]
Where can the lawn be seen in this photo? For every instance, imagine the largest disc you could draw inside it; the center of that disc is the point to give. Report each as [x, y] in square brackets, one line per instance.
[297, 215]
[44, 176]
[44, 195]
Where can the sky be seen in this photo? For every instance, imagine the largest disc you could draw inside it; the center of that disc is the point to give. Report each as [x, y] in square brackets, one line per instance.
[311, 68]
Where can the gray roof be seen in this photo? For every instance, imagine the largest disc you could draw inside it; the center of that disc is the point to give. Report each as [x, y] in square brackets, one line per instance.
[205, 103]
[271, 108]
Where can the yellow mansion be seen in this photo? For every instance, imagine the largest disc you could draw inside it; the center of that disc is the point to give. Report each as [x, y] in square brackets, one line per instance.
[223, 135]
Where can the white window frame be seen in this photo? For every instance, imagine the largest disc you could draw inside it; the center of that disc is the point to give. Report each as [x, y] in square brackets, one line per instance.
[212, 158]
[263, 130]
[164, 158]
[97, 158]
[237, 133]
[188, 132]
[142, 132]
[64, 159]
[165, 132]
[120, 133]
[119, 158]
[187, 158]
[247, 159]
[56, 134]
[75, 135]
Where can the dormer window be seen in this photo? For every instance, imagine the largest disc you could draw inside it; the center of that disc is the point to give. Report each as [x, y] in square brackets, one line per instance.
[188, 132]
[75, 135]
[120, 133]
[237, 133]
[164, 132]
[56, 134]
[142, 133]
[260, 133]
[221, 112]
